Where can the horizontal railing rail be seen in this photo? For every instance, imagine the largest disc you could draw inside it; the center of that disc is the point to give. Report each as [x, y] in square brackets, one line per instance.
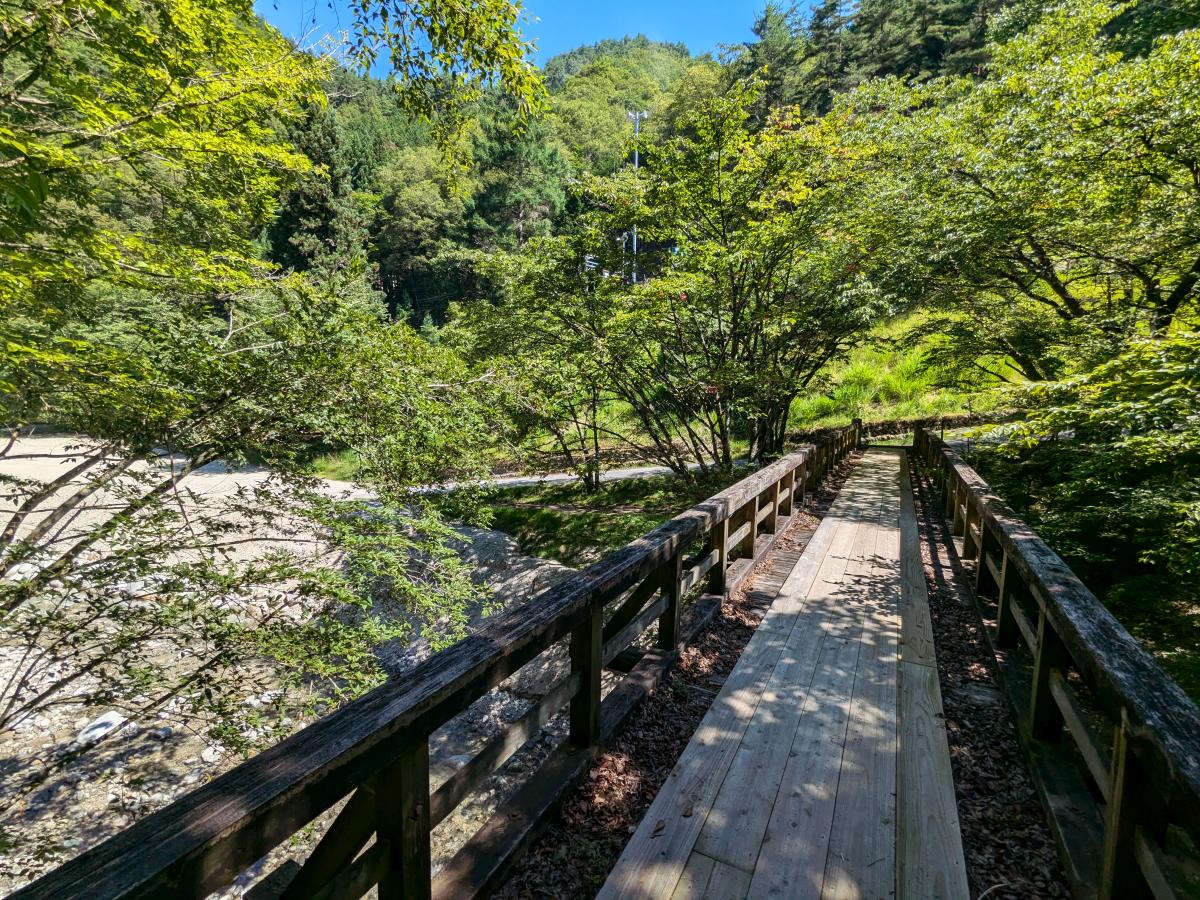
[374, 751]
[1112, 741]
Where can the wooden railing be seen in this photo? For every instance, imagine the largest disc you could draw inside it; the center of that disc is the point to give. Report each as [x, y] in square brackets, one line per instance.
[1112, 742]
[375, 750]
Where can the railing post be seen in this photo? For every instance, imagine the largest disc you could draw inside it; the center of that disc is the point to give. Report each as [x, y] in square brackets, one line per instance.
[970, 548]
[587, 647]
[773, 499]
[985, 582]
[745, 547]
[1045, 718]
[402, 822]
[668, 622]
[857, 434]
[719, 540]
[1126, 810]
[786, 490]
[1006, 625]
[802, 481]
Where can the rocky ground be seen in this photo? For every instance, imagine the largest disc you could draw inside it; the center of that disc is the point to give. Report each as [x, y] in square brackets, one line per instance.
[122, 769]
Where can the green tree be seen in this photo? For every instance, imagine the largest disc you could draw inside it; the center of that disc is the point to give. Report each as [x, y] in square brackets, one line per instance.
[522, 179]
[419, 222]
[145, 152]
[539, 341]
[1062, 184]
[661, 62]
[775, 57]
[447, 53]
[320, 223]
[827, 57]
[751, 280]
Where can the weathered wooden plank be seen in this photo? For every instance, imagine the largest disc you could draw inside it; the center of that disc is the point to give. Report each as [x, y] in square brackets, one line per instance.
[614, 646]
[1095, 754]
[738, 536]
[587, 663]
[705, 878]
[1169, 878]
[631, 606]
[654, 859]
[992, 567]
[692, 576]
[793, 853]
[343, 840]
[726, 883]
[861, 861]
[1071, 811]
[694, 879]
[734, 828]
[916, 639]
[357, 878]
[499, 750]
[794, 593]
[1023, 624]
[477, 869]
[668, 622]
[929, 852]
[402, 825]
[791, 862]
[719, 541]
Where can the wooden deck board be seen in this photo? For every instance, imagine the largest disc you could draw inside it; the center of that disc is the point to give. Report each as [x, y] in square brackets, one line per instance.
[916, 640]
[860, 864]
[797, 781]
[734, 828]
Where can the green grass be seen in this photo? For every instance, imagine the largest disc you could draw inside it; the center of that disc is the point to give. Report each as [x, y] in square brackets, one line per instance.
[883, 379]
[566, 523]
[340, 466]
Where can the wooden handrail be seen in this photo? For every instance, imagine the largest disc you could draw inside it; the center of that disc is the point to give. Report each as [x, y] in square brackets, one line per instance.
[1118, 809]
[375, 749]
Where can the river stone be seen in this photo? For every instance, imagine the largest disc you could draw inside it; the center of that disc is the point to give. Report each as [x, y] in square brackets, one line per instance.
[100, 726]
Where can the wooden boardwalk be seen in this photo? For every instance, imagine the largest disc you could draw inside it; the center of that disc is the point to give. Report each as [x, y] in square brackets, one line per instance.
[821, 769]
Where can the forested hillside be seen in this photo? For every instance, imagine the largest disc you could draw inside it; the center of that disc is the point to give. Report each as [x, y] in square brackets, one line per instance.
[219, 250]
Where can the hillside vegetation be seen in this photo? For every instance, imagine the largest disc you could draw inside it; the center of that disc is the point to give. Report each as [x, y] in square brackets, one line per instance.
[218, 249]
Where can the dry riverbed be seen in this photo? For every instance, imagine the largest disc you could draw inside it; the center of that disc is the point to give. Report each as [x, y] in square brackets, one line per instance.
[124, 766]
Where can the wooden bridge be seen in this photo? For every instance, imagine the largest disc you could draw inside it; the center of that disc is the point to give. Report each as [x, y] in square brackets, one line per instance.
[821, 769]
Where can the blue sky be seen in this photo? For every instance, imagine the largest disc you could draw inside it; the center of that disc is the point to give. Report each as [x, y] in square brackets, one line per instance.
[559, 25]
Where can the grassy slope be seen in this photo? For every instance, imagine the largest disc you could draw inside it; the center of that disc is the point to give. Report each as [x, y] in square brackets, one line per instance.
[564, 522]
[883, 379]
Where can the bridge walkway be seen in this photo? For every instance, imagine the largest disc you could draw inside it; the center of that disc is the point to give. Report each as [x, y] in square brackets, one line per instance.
[822, 768]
